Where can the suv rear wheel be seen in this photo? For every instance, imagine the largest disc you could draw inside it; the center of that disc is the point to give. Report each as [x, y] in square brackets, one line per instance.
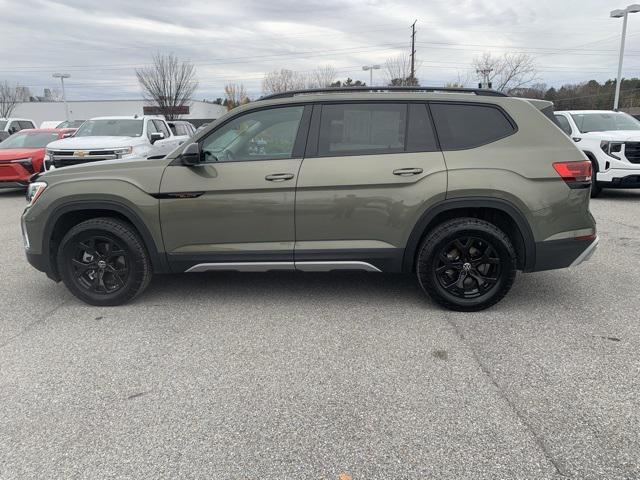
[104, 262]
[466, 264]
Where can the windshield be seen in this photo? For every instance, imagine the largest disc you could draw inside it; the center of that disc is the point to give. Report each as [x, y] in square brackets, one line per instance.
[605, 121]
[70, 124]
[108, 128]
[29, 140]
[3, 123]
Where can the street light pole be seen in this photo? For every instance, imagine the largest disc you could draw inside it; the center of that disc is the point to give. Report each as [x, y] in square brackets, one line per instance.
[624, 14]
[62, 76]
[371, 68]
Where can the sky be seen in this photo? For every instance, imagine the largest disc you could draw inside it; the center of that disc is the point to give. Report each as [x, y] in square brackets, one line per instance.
[101, 42]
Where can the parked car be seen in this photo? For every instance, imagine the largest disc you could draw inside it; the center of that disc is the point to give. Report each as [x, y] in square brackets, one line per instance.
[22, 155]
[182, 131]
[109, 138]
[460, 187]
[611, 141]
[9, 126]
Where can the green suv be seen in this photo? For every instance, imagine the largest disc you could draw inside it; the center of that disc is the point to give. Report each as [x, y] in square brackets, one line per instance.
[460, 187]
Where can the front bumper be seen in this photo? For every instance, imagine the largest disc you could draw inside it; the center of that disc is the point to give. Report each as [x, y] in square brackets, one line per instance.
[6, 184]
[619, 178]
[14, 175]
[555, 254]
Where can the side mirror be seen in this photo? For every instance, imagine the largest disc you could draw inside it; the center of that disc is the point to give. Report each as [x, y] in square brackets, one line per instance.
[191, 155]
[155, 136]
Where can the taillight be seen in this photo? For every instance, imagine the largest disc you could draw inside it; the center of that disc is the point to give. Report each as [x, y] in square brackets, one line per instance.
[575, 174]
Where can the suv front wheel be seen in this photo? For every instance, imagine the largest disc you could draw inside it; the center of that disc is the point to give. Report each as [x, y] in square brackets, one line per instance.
[466, 264]
[103, 261]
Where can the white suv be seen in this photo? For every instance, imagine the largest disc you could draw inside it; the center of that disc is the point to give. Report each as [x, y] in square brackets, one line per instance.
[611, 140]
[110, 138]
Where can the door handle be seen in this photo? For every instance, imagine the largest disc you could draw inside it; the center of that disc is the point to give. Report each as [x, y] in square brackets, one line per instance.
[405, 172]
[279, 177]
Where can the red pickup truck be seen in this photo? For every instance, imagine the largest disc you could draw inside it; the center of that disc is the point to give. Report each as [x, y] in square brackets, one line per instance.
[22, 154]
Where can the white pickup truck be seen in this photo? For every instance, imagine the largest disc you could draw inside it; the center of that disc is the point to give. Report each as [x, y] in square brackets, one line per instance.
[110, 138]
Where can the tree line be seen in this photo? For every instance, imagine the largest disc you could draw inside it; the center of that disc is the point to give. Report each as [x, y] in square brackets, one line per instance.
[170, 83]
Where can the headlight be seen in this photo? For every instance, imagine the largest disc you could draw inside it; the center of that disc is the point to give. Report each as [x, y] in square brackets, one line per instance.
[612, 148]
[34, 191]
[120, 152]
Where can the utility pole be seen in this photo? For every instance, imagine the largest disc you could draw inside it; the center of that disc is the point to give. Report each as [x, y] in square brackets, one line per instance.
[413, 52]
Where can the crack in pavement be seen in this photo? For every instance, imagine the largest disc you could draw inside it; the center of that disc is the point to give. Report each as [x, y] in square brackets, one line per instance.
[31, 325]
[557, 465]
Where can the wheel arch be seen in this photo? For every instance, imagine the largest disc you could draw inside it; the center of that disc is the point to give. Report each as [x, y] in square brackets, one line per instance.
[68, 215]
[500, 212]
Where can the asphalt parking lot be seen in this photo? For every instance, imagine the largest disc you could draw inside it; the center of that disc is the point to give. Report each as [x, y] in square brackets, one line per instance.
[291, 376]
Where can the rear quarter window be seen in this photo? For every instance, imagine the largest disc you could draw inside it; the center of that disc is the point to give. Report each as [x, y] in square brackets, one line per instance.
[462, 126]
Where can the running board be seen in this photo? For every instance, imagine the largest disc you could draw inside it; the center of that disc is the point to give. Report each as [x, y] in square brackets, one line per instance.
[269, 266]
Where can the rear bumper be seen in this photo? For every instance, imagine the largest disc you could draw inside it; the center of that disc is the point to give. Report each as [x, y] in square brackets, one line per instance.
[555, 254]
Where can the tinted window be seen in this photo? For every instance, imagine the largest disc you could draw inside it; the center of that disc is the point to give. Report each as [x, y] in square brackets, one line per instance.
[358, 129]
[258, 135]
[14, 126]
[463, 126]
[24, 125]
[563, 123]
[420, 136]
[3, 123]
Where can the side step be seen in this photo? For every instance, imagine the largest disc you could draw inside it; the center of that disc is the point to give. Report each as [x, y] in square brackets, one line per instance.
[269, 266]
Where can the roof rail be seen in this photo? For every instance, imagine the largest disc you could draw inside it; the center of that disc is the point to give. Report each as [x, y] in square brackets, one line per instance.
[477, 91]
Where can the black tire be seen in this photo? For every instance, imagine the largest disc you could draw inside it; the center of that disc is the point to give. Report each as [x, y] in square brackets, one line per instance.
[103, 261]
[596, 189]
[466, 264]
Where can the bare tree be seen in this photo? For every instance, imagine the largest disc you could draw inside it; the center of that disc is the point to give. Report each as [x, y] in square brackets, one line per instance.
[511, 71]
[235, 95]
[282, 81]
[461, 82]
[9, 98]
[322, 77]
[168, 83]
[398, 71]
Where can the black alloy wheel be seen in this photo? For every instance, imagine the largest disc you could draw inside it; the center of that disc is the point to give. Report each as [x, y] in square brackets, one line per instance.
[100, 264]
[468, 267]
[103, 261]
[466, 264]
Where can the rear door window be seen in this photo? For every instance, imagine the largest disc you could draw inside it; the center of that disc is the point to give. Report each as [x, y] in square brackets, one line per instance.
[468, 125]
[361, 129]
[563, 123]
[24, 125]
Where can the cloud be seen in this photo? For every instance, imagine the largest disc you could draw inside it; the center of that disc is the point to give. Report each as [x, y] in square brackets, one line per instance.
[101, 42]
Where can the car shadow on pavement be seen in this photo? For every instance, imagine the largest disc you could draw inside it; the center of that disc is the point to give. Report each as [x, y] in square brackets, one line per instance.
[336, 287]
[12, 192]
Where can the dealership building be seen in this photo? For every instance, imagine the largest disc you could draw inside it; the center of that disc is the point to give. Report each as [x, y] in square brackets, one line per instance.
[196, 112]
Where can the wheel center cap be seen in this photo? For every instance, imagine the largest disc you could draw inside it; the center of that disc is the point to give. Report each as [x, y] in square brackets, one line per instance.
[102, 264]
[466, 267]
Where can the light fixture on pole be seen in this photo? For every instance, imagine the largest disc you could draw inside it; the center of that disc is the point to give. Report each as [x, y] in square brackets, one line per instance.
[62, 76]
[371, 68]
[635, 8]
